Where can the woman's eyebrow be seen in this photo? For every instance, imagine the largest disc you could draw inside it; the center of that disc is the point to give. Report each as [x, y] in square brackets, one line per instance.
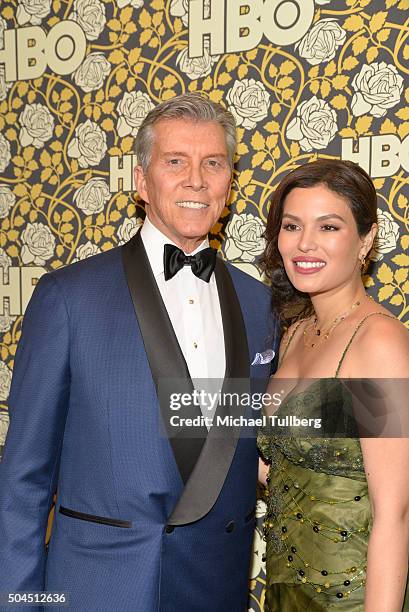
[321, 218]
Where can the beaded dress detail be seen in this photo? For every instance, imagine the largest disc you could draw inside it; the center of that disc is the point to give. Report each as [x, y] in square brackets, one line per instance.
[318, 517]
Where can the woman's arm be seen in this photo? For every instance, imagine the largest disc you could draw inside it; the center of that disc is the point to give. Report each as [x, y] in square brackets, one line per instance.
[386, 463]
[269, 409]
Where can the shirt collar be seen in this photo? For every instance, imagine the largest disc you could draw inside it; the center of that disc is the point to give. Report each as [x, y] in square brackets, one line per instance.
[154, 242]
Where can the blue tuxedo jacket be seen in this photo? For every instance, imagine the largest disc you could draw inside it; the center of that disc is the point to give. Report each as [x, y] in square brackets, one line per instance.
[142, 523]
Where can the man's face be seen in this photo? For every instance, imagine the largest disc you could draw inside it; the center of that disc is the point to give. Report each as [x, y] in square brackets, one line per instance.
[187, 182]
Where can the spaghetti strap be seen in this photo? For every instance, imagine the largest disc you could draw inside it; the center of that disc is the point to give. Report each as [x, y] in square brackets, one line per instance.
[290, 339]
[361, 322]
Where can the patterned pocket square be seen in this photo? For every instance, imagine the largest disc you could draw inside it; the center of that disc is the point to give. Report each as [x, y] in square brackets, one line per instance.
[261, 358]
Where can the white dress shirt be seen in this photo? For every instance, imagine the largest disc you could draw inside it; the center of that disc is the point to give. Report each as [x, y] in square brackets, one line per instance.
[193, 307]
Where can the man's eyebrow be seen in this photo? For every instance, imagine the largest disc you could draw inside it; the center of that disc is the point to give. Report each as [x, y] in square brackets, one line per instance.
[322, 218]
[181, 154]
[217, 155]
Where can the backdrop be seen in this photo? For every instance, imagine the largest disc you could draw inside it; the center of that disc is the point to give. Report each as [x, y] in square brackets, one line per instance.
[304, 79]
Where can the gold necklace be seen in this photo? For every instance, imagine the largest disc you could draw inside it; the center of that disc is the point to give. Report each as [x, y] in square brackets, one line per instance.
[319, 332]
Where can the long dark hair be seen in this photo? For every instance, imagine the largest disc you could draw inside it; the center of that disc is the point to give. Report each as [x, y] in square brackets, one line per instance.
[343, 178]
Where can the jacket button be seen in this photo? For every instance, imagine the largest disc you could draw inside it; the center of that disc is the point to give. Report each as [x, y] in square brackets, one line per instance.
[230, 526]
[169, 528]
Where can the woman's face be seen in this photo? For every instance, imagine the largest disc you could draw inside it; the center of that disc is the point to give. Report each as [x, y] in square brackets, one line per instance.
[318, 240]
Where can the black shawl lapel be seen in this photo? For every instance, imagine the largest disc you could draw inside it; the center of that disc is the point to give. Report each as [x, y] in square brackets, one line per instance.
[164, 354]
[204, 485]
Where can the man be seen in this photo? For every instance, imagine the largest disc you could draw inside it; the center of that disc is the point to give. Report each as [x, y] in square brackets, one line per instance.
[142, 522]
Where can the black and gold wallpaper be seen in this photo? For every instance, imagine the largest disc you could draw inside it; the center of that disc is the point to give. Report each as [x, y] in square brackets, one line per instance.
[303, 78]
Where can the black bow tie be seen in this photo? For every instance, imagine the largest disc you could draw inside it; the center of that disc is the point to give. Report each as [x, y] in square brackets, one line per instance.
[202, 263]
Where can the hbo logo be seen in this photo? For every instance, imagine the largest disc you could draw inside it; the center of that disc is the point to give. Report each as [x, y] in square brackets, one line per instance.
[380, 156]
[238, 25]
[27, 51]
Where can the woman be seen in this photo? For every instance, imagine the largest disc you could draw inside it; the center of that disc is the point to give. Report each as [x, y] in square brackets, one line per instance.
[337, 522]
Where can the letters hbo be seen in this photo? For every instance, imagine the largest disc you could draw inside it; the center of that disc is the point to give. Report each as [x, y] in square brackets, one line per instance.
[238, 25]
[27, 51]
[380, 156]
[18, 287]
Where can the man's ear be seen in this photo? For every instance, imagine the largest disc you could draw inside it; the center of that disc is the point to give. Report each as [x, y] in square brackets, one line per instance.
[140, 183]
[229, 189]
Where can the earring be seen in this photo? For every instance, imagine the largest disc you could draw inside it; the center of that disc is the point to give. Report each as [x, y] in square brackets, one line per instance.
[362, 262]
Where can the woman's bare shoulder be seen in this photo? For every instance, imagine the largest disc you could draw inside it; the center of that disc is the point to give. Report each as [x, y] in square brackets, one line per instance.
[289, 331]
[378, 319]
[382, 347]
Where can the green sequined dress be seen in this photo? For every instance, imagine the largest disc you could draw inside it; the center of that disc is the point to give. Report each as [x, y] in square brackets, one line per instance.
[318, 517]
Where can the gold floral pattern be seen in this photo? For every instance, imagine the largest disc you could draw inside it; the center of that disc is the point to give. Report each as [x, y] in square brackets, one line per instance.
[345, 78]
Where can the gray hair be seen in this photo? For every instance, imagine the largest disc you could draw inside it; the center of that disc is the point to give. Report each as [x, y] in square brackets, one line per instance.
[193, 107]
